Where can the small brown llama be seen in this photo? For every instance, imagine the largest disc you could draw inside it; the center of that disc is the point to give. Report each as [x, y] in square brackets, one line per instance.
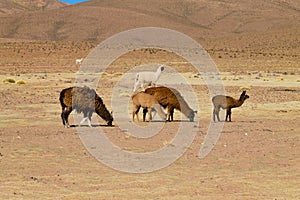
[227, 102]
[147, 102]
[83, 100]
[171, 99]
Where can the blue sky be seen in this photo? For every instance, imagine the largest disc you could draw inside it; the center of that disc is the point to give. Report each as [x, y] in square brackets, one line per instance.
[72, 1]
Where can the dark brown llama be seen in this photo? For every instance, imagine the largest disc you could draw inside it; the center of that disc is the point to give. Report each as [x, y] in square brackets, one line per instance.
[83, 100]
[171, 99]
[227, 102]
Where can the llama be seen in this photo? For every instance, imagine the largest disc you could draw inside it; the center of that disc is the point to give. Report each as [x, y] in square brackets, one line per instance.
[147, 102]
[83, 100]
[171, 99]
[147, 78]
[78, 61]
[227, 102]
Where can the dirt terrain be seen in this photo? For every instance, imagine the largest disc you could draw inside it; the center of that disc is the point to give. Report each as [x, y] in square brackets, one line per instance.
[255, 45]
[256, 157]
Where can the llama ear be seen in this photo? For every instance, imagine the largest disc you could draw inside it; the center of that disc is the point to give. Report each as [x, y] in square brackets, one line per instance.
[244, 93]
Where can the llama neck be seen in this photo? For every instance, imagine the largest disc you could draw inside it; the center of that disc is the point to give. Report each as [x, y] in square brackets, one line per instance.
[102, 111]
[158, 72]
[185, 109]
[239, 102]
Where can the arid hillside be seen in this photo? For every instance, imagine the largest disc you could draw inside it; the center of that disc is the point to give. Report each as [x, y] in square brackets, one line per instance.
[17, 6]
[99, 19]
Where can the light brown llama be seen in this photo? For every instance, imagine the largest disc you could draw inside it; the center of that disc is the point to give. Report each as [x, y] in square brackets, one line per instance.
[83, 100]
[171, 99]
[147, 102]
[227, 102]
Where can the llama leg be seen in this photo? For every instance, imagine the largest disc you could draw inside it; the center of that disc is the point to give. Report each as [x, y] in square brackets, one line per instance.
[82, 121]
[135, 111]
[228, 114]
[149, 114]
[145, 110]
[218, 113]
[89, 122]
[214, 115]
[154, 110]
[168, 116]
[133, 115]
[85, 117]
[172, 114]
[90, 119]
[65, 115]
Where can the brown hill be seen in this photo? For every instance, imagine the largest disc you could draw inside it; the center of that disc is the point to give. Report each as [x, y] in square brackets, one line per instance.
[16, 6]
[99, 19]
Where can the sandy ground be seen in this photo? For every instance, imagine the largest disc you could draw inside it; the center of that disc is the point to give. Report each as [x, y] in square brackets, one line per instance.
[256, 157]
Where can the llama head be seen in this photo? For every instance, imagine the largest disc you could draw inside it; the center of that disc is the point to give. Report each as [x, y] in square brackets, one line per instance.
[109, 122]
[161, 68]
[243, 96]
[192, 115]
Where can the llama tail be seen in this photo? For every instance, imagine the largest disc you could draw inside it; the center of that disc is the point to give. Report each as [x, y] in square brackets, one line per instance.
[61, 99]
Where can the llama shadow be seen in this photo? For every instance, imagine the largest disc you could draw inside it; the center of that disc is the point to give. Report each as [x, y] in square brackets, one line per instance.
[253, 121]
[222, 121]
[161, 121]
[185, 121]
[157, 121]
[93, 125]
[250, 121]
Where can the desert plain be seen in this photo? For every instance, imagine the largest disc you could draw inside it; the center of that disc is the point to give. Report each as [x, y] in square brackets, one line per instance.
[256, 156]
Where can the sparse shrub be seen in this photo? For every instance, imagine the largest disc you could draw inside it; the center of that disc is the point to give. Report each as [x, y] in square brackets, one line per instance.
[103, 74]
[20, 82]
[245, 88]
[118, 74]
[9, 80]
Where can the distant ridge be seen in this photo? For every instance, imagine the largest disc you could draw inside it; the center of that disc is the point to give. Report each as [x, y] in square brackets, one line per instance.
[99, 19]
[17, 6]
